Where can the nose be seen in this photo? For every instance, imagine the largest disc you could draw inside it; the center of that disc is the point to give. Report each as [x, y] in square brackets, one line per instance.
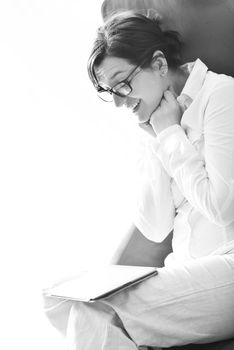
[118, 101]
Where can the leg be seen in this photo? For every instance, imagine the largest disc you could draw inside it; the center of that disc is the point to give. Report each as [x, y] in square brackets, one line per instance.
[57, 311]
[186, 304]
[182, 305]
[94, 326]
[87, 326]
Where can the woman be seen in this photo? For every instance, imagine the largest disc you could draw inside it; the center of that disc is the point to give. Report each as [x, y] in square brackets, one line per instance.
[188, 113]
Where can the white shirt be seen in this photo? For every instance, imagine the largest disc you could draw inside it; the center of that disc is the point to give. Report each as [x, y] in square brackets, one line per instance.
[189, 172]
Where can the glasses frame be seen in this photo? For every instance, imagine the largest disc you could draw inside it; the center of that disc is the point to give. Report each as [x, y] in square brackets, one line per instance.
[126, 81]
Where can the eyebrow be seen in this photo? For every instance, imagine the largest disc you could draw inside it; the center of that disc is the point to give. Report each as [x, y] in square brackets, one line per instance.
[116, 73]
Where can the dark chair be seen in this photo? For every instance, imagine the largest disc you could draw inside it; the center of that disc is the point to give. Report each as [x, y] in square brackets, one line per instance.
[206, 27]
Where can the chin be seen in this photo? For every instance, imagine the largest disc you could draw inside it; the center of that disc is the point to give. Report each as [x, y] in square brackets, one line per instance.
[143, 121]
[143, 117]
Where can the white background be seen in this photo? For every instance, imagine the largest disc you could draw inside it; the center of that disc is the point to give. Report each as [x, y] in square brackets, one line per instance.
[67, 161]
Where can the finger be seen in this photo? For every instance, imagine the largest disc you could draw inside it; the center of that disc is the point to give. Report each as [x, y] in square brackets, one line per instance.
[163, 102]
[169, 96]
[171, 89]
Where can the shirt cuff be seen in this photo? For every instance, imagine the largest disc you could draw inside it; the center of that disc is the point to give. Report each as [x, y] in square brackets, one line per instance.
[173, 148]
[167, 140]
[167, 132]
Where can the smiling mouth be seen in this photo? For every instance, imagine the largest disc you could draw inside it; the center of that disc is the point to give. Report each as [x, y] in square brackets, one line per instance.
[136, 106]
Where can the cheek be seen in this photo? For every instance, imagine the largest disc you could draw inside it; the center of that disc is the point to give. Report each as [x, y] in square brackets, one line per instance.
[150, 90]
[153, 95]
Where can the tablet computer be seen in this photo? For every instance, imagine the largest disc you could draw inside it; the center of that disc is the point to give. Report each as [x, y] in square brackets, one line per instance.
[100, 282]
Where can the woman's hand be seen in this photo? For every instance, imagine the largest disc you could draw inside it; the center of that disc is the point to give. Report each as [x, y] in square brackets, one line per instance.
[168, 113]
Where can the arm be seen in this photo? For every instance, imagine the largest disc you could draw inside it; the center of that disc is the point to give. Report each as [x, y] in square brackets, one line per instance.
[206, 183]
[137, 250]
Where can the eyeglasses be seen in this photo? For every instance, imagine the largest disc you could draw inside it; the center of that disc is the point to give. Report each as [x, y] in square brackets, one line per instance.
[121, 89]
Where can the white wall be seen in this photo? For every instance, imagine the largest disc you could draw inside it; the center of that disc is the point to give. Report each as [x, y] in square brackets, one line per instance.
[67, 161]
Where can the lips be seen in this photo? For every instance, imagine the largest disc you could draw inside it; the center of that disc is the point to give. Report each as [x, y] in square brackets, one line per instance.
[136, 106]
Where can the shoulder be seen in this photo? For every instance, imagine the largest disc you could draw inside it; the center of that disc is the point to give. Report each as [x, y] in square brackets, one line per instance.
[215, 81]
[218, 99]
[218, 88]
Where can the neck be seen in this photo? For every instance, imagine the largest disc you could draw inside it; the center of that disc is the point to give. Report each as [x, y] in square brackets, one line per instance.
[177, 79]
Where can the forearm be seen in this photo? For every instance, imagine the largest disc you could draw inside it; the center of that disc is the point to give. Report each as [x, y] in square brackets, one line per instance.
[208, 188]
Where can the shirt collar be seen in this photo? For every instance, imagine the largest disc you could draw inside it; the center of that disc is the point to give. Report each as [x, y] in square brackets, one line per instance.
[197, 73]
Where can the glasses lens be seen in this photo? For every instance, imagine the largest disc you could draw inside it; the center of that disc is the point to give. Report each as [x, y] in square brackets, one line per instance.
[105, 96]
[122, 90]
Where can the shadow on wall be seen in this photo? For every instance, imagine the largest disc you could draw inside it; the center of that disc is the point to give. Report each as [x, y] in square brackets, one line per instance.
[206, 27]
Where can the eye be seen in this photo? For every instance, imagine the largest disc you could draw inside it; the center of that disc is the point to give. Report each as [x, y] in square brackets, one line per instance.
[119, 85]
[121, 88]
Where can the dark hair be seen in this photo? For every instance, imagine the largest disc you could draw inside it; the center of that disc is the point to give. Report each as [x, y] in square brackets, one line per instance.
[133, 36]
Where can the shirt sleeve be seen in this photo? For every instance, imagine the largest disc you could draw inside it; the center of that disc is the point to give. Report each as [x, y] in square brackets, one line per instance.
[155, 211]
[207, 181]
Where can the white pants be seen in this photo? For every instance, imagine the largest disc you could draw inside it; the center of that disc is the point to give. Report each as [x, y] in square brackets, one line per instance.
[193, 303]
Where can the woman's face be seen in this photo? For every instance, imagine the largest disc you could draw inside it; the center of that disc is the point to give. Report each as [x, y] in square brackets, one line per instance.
[148, 85]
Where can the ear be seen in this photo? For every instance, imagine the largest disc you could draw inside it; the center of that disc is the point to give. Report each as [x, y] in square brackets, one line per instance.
[159, 62]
